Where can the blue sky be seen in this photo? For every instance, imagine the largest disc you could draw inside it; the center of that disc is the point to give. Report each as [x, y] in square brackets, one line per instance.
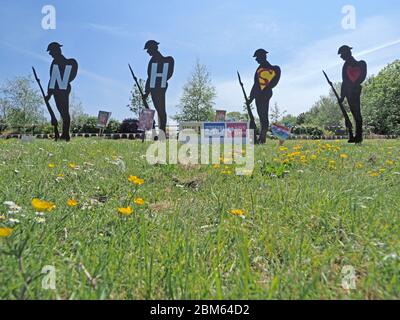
[103, 35]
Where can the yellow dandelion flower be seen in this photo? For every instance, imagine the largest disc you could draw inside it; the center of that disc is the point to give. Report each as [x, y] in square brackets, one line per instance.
[125, 211]
[5, 232]
[237, 212]
[139, 182]
[359, 165]
[139, 201]
[72, 203]
[72, 165]
[382, 170]
[216, 166]
[343, 156]
[283, 149]
[135, 180]
[390, 162]
[227, 172]
[51, 165]
[41, 205]
[295, 154]
[313, 157]
[374, 174]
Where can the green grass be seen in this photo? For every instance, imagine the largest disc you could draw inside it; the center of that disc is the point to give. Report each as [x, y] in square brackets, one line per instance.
[305, 221]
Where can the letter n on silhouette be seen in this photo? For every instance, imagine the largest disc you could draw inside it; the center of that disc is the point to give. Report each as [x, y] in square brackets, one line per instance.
[56, 77]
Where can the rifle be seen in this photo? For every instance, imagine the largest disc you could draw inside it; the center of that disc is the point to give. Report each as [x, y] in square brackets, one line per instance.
[54, 121]
[349, 125]
[253, 125]
[146, 105]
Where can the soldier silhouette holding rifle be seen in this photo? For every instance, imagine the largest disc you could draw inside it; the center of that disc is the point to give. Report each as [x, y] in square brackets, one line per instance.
[159, 71]
[62, 72]
[354, 73]
[265, 79]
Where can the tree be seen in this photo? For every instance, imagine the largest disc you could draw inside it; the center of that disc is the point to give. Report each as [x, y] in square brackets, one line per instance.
[75, 108]
[237, 116]
[197, 101]
[289, 120]
[381, 100]
[325, 113]
[276, 114]
[301, 119]
[21, 104]
[135, 100]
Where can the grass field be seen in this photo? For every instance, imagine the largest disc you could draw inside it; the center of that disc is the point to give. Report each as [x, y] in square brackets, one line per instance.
[304, 214]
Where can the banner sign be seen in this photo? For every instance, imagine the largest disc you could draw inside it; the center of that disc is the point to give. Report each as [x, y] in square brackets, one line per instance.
[236, 129]
[219, 132]
[214, 130]
[220, 116]
[196, 126]
[103, 119]
[281, 132]
[146, 120]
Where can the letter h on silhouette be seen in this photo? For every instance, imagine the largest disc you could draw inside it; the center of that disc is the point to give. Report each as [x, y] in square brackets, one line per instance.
[155, 75]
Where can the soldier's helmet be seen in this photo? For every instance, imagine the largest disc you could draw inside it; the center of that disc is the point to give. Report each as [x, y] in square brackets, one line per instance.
[151, 44]
[345, 49]
[53, 46]
[260, 53]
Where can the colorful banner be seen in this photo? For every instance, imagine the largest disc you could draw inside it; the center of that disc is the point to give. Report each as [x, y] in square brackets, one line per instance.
[281, 132]
[236, 129]
[214, 130]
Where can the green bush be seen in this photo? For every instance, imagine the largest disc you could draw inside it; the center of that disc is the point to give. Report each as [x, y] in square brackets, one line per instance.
[113, 126]
[309, 131]
[129, 126]
[88, 124]
[381, 101]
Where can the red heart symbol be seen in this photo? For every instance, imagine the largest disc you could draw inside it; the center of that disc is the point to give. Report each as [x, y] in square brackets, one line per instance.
[353, 73]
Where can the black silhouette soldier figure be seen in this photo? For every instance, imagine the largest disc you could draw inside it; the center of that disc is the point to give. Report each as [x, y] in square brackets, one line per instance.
[266, 78]
[62, 72]
[354, 73]
[159, 71]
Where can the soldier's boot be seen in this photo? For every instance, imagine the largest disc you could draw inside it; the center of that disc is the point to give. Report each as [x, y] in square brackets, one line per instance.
[263, 136]
[359, 129]
[352, 139]
[359, 136]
